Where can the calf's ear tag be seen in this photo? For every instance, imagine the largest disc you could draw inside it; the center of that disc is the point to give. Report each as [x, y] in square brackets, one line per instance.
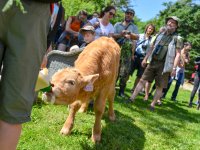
[89, 87]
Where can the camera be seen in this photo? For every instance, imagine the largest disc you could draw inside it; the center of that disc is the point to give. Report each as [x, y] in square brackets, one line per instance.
[127, 32]
[157, 49]
[144, 47]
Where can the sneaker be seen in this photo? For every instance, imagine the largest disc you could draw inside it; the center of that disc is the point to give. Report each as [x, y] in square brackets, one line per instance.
[190, 105]
[198, 106]
[129, 100]
[121, 94]
[174, 99]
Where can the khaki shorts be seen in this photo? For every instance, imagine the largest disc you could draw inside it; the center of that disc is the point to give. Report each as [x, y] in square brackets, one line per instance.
[24, 37]
[154, 71]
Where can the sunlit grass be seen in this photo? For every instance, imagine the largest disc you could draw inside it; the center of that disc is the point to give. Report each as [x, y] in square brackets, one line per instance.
[172, 126]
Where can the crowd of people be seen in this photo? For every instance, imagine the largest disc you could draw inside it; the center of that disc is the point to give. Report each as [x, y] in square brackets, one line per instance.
[159, 58]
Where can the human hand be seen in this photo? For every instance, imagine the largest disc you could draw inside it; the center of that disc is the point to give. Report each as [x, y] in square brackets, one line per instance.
[144, 63]
[96, 25]
[173, 73]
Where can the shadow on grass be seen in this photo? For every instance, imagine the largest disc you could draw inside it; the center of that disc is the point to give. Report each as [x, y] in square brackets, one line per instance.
[121, 134]
[178, 112]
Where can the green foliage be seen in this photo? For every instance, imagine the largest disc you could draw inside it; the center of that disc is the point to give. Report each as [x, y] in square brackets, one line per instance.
[9, 4]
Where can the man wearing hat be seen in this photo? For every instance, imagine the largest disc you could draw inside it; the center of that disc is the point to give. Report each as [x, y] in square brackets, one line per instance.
[164, 56]
[123, 35]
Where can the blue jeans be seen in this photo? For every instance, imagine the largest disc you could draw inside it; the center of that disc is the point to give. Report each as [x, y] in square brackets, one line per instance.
[177, 86]
[196, 86]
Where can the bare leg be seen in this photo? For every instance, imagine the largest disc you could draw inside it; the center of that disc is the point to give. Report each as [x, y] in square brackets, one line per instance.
[135, 83]
[138, 89]
[147, 88]
[157, 96]
[9, 135]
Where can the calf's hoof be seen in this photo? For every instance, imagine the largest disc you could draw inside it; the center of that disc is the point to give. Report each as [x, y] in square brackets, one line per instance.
[65, 131]
[112, 117]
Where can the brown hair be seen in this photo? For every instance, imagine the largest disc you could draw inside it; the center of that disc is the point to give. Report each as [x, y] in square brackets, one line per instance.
[107, 9]
[82, 12]
[154, 28]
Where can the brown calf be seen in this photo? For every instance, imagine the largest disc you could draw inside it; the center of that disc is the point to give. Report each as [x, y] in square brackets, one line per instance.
[94, 75]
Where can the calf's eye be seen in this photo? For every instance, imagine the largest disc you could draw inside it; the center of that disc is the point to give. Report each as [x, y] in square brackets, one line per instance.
[72, 82]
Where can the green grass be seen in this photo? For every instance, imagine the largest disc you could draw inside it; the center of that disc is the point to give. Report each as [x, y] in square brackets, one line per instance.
[172, 126]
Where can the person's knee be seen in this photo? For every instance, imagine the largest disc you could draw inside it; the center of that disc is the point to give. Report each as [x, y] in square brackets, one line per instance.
[142, 81]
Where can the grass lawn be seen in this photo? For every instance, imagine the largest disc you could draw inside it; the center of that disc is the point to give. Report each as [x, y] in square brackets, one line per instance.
[172, 126]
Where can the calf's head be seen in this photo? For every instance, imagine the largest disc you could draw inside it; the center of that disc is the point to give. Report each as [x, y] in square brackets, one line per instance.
[66, 86]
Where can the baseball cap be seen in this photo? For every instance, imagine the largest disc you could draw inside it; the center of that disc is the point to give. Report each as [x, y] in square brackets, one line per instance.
[129, 10]
[87, 28]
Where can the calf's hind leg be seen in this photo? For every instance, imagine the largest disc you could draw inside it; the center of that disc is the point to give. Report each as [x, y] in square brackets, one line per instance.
[111, 97]
[99, 107]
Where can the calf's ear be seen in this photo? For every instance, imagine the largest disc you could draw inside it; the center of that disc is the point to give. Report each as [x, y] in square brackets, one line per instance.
[91, 78]
[89, 81]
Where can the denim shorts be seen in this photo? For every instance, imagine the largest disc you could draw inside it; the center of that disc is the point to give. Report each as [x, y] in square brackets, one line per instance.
[24, 37]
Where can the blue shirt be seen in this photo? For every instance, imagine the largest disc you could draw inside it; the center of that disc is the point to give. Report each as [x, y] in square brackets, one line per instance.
[142, 45]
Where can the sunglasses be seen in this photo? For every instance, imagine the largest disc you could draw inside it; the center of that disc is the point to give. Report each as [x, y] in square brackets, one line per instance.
[111, 14]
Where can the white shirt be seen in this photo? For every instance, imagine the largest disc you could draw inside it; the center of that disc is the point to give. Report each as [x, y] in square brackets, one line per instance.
[102, 30]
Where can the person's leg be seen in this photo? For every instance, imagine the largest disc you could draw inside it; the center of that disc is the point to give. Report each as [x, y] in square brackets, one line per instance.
[122, 84]
[178, 83]
[124, 75]
[22, 60]
[153, 89]
[157, 96]
[140, 71]
[161, 81]
[196, 85]
[175, 92]
[165, 90]
[147, 88]
[135, 83]
[148, 75]
[9, 135]
[198, 105]
[138, 89]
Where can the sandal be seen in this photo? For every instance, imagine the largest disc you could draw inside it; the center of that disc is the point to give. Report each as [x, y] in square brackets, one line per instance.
[159, 102]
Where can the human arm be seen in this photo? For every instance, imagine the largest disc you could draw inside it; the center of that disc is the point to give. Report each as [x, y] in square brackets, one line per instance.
[68, 28]
[144, 62]
[176, 61]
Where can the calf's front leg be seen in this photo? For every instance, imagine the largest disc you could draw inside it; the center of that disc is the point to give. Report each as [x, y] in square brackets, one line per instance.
[68, 125]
